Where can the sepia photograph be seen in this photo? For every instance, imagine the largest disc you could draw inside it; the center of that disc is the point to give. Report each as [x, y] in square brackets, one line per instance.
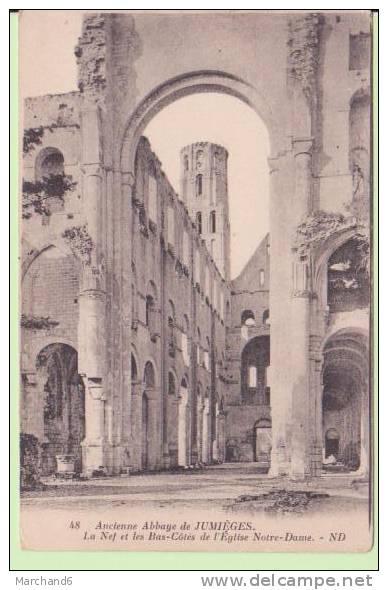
[196, 271]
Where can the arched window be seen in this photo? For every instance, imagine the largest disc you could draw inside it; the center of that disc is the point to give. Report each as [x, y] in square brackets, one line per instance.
[199, 158]
[152, 199]
[198, 347]
[212, 222]
[149, 375]
[255, 359]
[171, 329]
[228, 316]
[348, 276]
[171, 226]
[150, 305]
[134, 301]
[198, 185]
[185, 341]
[50, 167]
[261, 277]
[206, 355]
[151, 320]
[207, 282]
[171, 384]
[50, 162]
[185, 249]
[134, 374]
[186, 163]
[252, 377]
[199, 222]
[197, 267]
[266, 317]
[248, 318]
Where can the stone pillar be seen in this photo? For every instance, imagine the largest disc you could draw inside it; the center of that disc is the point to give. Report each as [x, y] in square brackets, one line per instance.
[121, 376]
[32, 403]
[153, 429]
[280, 346]
[316, 394]
[200, 408]
[215, 454]
[300, 419]
[302, 202]
[221, 437]
[364, 469]
[183, 430]
[205, 432]
[92, 298]
[136, 425]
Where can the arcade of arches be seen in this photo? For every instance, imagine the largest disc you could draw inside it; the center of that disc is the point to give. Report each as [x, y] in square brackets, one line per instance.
[139, 352]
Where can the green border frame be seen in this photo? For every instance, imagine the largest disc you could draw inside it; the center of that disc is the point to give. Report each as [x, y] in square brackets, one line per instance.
[122, 560]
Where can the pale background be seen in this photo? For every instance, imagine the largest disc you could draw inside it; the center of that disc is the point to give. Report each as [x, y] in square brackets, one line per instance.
[48, 66]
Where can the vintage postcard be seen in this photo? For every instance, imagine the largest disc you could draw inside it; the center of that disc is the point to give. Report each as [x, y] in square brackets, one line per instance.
[195, 279]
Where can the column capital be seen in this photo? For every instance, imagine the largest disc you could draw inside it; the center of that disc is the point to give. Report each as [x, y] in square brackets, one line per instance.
[92, 169]
[128, 179]
[302, 145]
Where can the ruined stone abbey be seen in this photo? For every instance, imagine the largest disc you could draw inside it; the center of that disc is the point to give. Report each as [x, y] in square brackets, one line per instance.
[138, 350]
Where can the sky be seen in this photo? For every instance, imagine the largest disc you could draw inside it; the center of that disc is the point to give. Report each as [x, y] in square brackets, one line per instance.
[49, 38]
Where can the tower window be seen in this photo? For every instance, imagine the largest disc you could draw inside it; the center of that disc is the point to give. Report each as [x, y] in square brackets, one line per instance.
[266, 317]
[261, 277]
[213, 222]
[198, 184]
[150, 304]
[199, 222]
[186, 163]
[248, 318]
[252, 377]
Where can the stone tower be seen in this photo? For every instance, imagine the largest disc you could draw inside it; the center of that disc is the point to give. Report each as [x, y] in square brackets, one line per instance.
[204, 190]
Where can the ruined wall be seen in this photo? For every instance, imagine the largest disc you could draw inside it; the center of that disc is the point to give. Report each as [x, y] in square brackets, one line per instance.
[250, 292]
[190, 296]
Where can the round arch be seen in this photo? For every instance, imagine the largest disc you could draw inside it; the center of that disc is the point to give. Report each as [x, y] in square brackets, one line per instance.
[322, 256]
[185, 85]
[35, 253]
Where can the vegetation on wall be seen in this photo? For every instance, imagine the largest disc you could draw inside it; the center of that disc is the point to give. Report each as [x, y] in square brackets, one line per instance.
[30, 462]
[80, 242]
[37, 322]
[36, 194]
[320, 225]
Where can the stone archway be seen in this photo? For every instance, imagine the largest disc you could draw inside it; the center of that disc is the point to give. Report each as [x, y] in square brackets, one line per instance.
[193, 82]
[262, 436]
[63, 405]
[149, 434]
[183, 425]
[144, 432]
[345, 403]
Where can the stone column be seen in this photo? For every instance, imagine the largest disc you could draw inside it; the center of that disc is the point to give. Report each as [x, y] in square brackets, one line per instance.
[136, 425]
[215, 453]
[153, 429]
[316, 394]
[205, 432]
[32, 404]
[363, 470]
[302, 202]
[200, 407]
[183, 430]
[280, 346]
[300, 419]
[92, 298]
